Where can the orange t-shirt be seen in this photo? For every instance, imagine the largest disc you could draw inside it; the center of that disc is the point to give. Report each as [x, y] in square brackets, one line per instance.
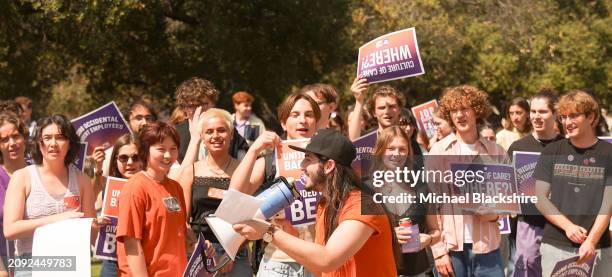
[375, 258]
[143, 215]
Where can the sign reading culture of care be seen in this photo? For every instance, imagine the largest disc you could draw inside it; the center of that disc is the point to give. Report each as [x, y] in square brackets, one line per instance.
[424, 115]
[389, 57]
[486, 185]
[302, 211]
[101, 127]
[106, 244]
[365, 150]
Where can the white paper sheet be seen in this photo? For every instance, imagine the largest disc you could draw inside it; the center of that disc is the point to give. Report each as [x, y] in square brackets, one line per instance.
[237, 207]
[64, 238]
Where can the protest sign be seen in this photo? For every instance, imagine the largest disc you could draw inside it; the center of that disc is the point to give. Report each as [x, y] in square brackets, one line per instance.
[81, 155]
[195, 266]
[112, 190]
[106, 243]
[68, 241]
[608, 139]
[504, 225]
[424, 114]
[569, 268]
[524, 166]
[302, 211]
[365, 148]
[486, 185]
[101, 127]
[389, 57]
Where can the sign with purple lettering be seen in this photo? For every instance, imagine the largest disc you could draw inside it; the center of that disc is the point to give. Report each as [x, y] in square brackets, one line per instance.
[424, 114]
[101, 127]
[608, 139]
[365, 148]
[569, 268]
[302, 211]
[81, 155]
[524, 166]
[195, 266]
[504, 225]
[389, 57]
[106, 244]
[486, 185]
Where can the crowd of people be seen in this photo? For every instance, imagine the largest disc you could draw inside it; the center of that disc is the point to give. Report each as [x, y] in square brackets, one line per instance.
[177, 171]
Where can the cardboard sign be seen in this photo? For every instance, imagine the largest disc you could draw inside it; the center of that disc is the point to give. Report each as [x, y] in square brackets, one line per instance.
[112, 191]
[365, 148]
[389, 57]
[484, 190]
[101, 127]
[196, 267]
[424, 115]
[288, 164]
[569, 268]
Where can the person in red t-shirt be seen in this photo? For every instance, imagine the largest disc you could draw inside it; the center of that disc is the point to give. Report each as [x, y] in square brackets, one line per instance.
[151, 229]
[347, 242]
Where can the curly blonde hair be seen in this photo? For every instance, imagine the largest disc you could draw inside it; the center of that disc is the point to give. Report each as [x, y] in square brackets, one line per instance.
[579, 101]
[464, 96]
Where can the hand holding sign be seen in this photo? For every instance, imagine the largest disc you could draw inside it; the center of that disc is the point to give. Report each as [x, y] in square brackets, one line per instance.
[586, 251]
[359, 88]
[266, 140]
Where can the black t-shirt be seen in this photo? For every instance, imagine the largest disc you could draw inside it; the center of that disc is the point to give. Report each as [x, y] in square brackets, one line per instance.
[578, 177]
[529, 143]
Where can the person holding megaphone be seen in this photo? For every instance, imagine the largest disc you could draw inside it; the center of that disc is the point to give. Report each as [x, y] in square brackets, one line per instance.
[347, 242]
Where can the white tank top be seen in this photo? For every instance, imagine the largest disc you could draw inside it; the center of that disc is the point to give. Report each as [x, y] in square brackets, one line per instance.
[41, 203]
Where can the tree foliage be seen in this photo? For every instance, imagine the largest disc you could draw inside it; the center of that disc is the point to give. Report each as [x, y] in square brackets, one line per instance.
[71, 56]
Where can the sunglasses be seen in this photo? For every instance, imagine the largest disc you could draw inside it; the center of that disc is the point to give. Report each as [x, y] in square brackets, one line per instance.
[124, 158]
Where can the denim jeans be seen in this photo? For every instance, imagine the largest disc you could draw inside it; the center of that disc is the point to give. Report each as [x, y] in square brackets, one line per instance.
[269, 268]
[109, 268]
[467, 263]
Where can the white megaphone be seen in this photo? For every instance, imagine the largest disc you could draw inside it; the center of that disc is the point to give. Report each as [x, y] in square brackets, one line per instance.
[237, 207]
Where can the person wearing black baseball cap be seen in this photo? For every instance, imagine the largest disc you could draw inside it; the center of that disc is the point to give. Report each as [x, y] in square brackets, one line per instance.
[347, 242]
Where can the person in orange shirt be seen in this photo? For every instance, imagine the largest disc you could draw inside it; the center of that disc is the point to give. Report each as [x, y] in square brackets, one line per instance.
[347, 242]
[151, 228]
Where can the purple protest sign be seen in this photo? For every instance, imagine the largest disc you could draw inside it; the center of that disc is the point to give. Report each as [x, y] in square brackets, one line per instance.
[389, 57]
[608, 139]
[80, 160]
[101, 127]
[569, 268]
[524, 166]
[106, 244]
[195, 266]
[303, 211]
[486, 185]
[365, 148]
[504, 225]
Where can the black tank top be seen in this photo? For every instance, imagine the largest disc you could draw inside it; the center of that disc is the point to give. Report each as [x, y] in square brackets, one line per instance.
[202, 205]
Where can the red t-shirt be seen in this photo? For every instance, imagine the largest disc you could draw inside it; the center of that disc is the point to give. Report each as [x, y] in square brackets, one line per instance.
[144, 215]
[375, 258]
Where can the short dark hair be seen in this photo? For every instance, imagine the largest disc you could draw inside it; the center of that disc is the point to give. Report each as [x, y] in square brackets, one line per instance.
[549, 94]
[144, 103]
[153, 133]
[66, 130]
[325, 91]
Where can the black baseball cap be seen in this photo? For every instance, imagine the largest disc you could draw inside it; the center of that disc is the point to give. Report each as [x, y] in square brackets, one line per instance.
[331, 144]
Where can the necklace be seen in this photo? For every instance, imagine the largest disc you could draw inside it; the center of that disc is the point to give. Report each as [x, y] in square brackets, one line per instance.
[222, 171]
[151, 177]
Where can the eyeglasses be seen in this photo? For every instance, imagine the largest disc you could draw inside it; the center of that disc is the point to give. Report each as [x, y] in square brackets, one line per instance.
[572, 117]
[148, 118]
[124, 158]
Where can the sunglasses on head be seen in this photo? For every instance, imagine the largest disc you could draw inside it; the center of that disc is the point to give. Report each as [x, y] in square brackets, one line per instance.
[124, 158]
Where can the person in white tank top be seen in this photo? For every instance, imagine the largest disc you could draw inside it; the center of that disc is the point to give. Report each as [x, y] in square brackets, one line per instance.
[48, 191]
